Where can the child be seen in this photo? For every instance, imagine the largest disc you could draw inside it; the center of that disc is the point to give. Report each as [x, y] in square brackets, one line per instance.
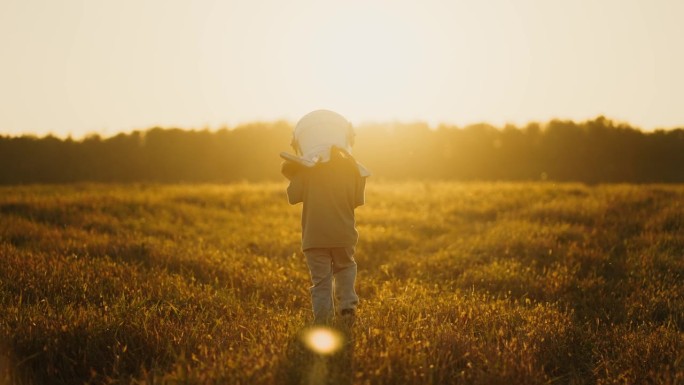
[330, 184]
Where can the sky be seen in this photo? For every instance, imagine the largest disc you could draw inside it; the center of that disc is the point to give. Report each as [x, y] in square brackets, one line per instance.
[78, 67]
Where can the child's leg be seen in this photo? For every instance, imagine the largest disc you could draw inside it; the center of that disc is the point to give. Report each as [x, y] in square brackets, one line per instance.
[344, 269]
[320, 267]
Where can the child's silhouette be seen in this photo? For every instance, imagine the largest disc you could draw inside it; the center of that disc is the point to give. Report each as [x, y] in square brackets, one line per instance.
[330, 184]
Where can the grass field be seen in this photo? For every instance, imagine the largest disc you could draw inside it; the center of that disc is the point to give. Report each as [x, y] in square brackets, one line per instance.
[460, 283]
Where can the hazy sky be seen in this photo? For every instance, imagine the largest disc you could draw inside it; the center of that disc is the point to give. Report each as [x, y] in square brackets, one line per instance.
[80, 66]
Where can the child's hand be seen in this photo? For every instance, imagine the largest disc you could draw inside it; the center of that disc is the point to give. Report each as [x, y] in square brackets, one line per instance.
[289, 169]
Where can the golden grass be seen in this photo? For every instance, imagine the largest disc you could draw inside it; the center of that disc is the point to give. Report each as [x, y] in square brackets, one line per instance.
[460, 283]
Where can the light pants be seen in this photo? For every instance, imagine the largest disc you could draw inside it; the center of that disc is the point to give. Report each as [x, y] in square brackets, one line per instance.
[328, 267]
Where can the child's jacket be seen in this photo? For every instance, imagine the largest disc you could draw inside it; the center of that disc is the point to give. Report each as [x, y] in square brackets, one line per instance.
[330, 191]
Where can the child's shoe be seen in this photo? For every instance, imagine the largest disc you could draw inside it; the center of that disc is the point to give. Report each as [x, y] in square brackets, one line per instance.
[348, 317]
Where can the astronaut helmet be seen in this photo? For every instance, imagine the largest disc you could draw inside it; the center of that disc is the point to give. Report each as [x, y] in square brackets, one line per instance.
[317, 131]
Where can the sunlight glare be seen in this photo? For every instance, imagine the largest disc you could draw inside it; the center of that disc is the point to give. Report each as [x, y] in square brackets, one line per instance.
[322, 340]
[370, 48]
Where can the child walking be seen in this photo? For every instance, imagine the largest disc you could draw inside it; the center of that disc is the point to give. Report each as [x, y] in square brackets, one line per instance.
[330, 184]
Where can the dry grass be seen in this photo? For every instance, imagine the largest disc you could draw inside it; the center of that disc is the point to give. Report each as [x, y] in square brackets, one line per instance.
[460, 283]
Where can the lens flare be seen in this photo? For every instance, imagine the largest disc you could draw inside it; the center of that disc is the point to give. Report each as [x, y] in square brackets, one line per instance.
[322, 340]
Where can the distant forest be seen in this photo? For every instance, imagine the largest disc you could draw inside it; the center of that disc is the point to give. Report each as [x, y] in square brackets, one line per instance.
[595, 151]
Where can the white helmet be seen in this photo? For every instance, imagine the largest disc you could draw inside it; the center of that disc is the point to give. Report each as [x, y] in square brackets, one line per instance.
[319, 130]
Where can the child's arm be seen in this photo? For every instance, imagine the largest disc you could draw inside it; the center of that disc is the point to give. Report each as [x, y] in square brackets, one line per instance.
[295, 190]
[289, 169]
[360, 194]
[293, 172]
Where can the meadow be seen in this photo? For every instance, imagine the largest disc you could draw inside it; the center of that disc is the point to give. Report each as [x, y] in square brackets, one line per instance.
[460, 283]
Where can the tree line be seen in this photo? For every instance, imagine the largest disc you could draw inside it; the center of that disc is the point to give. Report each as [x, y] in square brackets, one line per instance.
[594, 151]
